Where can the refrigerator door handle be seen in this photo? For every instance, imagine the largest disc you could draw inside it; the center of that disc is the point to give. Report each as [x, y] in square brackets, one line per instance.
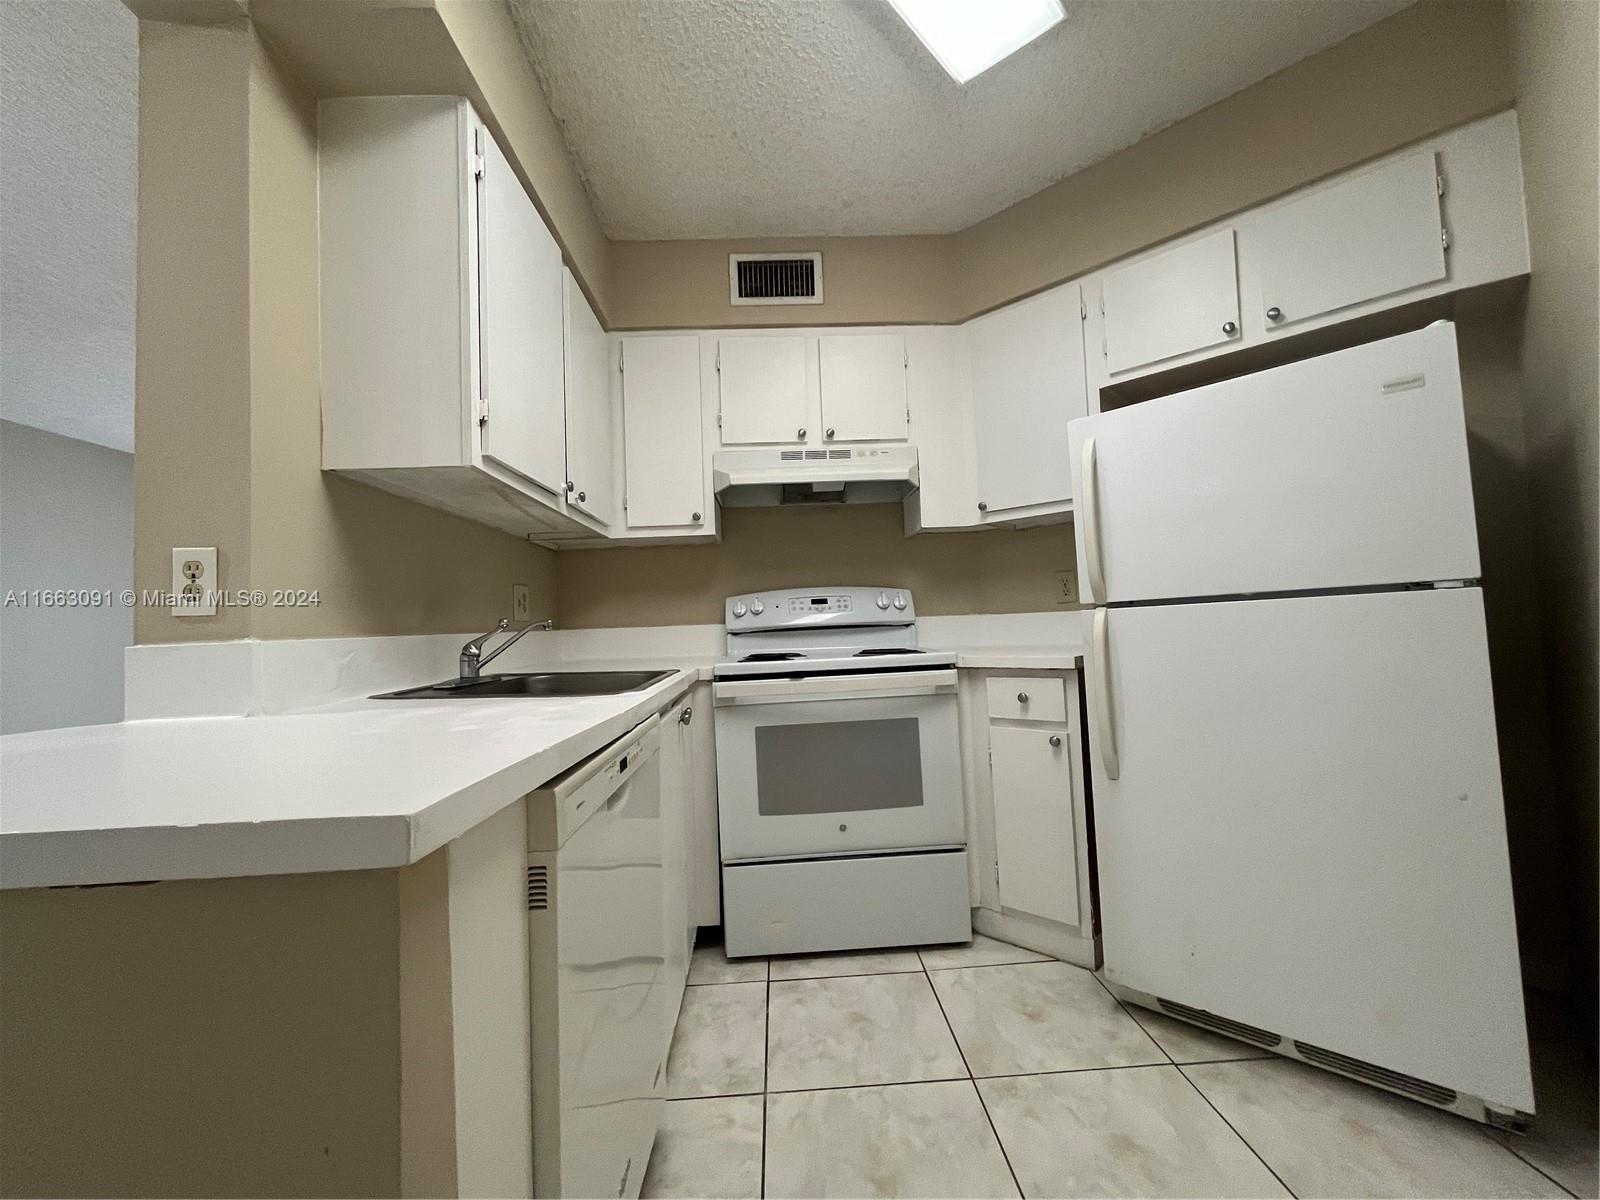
[1104, 720]
[1091, 524]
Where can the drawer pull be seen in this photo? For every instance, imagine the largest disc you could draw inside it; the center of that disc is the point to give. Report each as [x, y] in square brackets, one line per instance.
[1055, 741]
[1022, 697]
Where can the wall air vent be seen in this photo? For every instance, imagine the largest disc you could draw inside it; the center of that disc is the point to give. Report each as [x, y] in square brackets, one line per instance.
[775, 278]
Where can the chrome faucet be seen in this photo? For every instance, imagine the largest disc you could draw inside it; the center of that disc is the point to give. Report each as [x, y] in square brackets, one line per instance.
[472, 656]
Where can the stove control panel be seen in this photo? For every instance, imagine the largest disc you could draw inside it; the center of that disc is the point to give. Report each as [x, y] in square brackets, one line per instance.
[793, 608]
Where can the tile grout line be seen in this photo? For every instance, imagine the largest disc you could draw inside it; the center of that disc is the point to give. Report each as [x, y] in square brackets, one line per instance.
[971, 1078]
[1522, 1158]
[1176, 1066]
[766, 1058]
[1199, 1092]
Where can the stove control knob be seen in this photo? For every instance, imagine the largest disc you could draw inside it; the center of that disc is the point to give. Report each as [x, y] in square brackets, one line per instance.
[756, 607]
[900, 601]
[883, 600]
[739, 608]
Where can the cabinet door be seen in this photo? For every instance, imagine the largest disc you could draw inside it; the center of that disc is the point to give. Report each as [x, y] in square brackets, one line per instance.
[664, 464]
[676, 768]
[519, 296]
[1027, 383]
[863, 387]
[761, 390]
[1035, 843]
[1172, 303]
[591, 460]
[1370, 236]
[705, 865]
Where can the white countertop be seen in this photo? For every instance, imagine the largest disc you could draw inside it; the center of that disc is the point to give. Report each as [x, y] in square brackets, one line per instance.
[356, 785]
[328, 779]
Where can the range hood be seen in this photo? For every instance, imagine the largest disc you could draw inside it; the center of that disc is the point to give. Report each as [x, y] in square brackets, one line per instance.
[829, 475]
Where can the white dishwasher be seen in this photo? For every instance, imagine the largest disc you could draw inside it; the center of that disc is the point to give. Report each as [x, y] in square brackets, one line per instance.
[596, 966]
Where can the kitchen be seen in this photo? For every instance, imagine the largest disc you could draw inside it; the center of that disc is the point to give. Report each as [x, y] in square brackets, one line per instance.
[523, 394]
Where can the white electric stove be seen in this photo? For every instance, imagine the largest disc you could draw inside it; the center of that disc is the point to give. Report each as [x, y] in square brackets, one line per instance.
[838, 776]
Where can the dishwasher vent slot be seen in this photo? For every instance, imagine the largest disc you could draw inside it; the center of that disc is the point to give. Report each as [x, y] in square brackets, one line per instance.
[538, 888]
[1409, 1085]
[1233, 1029]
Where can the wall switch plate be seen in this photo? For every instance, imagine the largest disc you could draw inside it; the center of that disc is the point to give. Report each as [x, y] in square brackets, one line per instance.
[521, 603]
[194, 581]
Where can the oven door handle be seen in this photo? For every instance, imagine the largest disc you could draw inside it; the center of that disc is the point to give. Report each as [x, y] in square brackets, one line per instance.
[890, 685]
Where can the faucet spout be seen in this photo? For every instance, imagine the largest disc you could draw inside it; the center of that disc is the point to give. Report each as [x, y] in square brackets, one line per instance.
[473, 658]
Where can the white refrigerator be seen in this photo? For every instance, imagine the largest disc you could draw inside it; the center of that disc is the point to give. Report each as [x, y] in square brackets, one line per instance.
[1297, 805]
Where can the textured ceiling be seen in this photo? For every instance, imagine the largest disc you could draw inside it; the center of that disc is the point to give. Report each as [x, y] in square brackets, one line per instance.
[68, 121]
[744, 118]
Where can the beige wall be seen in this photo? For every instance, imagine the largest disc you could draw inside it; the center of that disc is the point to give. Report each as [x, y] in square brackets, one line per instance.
[227, 412]
[201, 1038]
[993, 571]
[1555, 61]
[1437, 64]
[866, 281]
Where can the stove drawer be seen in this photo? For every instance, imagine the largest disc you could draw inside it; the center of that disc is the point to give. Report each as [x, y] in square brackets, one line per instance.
[1027, 698]
[846, 904]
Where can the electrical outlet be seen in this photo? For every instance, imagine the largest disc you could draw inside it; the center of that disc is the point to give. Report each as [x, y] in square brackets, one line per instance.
[1066, 587]
[521, 604]
[194, 581]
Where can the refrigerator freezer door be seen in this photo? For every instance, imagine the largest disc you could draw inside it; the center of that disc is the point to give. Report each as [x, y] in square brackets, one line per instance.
[1344, 471]
[1307, 833]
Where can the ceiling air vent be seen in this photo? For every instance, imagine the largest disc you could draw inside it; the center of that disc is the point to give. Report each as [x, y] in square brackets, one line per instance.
[775, 278]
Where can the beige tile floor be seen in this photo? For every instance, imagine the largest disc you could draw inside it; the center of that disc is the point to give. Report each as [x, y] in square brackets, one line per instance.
[985, 1070]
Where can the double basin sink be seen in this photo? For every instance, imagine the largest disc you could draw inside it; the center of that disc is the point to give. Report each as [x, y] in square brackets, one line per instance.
[538, 683]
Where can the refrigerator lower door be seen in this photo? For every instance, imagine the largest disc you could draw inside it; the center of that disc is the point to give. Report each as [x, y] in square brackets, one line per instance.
[1305, 832]
[1344, 471]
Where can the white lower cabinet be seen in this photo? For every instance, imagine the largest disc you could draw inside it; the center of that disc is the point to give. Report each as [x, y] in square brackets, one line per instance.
[1028, 820]
[1036, 844]
[677, 786]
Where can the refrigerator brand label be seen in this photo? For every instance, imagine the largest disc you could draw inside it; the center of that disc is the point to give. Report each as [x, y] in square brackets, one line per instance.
[1405, 384]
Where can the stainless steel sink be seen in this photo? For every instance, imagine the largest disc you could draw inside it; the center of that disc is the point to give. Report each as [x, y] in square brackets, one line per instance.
[542, 683]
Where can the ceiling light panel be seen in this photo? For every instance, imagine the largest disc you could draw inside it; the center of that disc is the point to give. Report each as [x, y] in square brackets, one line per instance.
[970, 36]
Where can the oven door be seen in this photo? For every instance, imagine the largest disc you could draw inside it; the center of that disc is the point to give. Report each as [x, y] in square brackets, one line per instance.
[840, 764]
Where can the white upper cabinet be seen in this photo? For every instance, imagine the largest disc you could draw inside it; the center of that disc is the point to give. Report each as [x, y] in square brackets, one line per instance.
[863, 382]
[665, 484]
[591, 454]
[1027, 383]
[521, 408]
[1361, 238]
[441, 318]
[1171, 303]
[761, 390]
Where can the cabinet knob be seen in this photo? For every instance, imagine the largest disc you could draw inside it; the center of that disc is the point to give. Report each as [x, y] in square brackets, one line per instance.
[828, 433]
[1022, 697]
[569, 485]
[1055, 741]
[1274, 313]
[687, 715]
[982, 507]
[582, 496]
[1230, 327]
[800, 434]
[694, 518]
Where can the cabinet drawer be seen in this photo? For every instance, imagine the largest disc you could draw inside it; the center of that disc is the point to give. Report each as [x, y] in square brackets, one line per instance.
[1028, 698]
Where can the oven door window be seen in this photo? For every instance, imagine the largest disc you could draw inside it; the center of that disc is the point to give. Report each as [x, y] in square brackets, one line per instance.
[838, 767]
